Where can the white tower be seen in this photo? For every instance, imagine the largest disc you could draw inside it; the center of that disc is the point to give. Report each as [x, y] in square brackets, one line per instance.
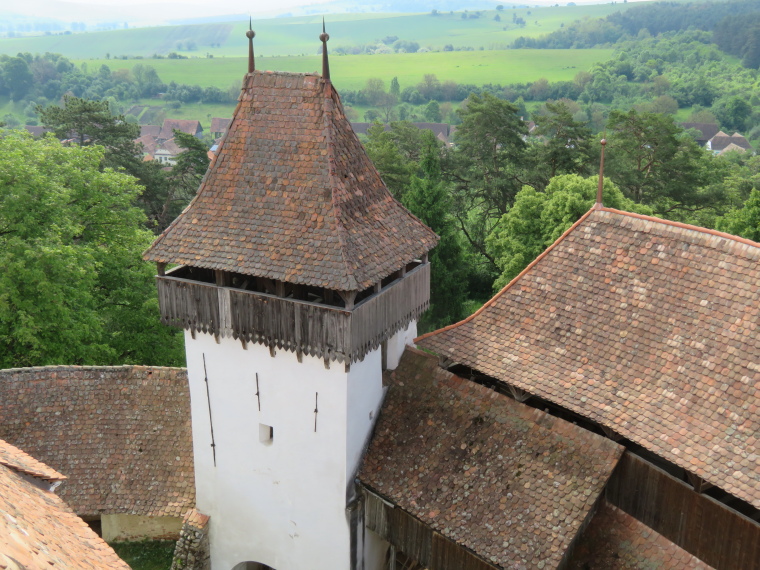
[297, 276]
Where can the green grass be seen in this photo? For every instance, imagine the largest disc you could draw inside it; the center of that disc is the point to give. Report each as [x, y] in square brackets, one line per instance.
[146, 555]
[352, 71]
[299, 36]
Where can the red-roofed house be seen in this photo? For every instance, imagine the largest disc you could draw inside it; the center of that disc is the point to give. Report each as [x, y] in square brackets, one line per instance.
[186, 126]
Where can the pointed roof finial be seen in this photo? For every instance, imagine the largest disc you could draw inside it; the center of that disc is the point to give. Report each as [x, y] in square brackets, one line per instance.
[601, 177]
[250, 34]
[323, 37]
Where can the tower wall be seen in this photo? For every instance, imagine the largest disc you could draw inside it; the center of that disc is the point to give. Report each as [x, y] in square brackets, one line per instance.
[280, 502]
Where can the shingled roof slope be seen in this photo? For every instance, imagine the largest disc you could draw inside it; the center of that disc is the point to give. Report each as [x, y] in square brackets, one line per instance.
[293, 196]
[646, 326]
[22, 462]
[38, 530]
[187, 126]
[509, 482]
[121, 434]
[614, 540]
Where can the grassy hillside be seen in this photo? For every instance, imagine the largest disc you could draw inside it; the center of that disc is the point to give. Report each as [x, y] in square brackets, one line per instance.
[352, 72]
[298, 36]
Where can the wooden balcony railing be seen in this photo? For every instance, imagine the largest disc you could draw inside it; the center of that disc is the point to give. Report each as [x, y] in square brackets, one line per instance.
[316, 329]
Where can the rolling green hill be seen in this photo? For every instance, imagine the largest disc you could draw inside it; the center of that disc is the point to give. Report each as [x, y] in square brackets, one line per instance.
[352, 71]
[299, 35]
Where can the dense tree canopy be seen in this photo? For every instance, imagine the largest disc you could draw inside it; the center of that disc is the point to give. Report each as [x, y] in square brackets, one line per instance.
[428, 199]
[537, 219]
[74, 289]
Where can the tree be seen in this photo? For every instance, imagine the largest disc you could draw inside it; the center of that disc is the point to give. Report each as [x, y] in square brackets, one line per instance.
[566, 148]
[92, 123]
[537, 219]
[394, 168]
[18, 77]
[732, 112]
[74, 289]
[654, 162]
[485, 166]
[395, 89]
[433, 112]
[186, 175]
[744, 221]
[428, 199]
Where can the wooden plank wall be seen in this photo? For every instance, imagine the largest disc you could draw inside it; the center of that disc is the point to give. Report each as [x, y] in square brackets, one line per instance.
[188, 305]
[416, 539]
[702, 526]
[381, 316]
[305, 328]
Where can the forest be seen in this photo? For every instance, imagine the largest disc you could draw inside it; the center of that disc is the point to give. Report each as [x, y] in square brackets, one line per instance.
[74, 218]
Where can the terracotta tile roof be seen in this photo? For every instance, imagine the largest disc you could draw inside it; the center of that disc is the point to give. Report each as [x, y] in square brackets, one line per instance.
[646, 326]
[505, 480]
[293, 196]
[169, 146]
[219, 125]
[121, 434]
[16, 459]
[38, 530]
[614, 540]
[148, 143]
[150, 130]
[732, 147]
[187, 126]
[722, 141]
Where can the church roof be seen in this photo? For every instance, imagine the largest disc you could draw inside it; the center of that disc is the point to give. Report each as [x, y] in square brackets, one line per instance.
[510, 483]
[121, 434]
[37, 529]
[646, 326]
[293, 196]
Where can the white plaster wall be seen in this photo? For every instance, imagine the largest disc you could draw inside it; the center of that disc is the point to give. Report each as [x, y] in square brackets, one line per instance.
[281, 504]
[365, 394]
[398, 342]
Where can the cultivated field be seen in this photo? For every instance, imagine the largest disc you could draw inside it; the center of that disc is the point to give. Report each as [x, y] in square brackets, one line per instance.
[352, 72]
[299, 36]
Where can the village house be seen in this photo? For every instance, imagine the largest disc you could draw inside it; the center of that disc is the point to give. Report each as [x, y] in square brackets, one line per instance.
[721, 142]
[219, 127]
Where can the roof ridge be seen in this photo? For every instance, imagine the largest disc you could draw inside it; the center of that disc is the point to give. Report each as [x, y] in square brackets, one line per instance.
[644, 217]
[514, 280]
[684, 226]
[328, 107]
[87, 367]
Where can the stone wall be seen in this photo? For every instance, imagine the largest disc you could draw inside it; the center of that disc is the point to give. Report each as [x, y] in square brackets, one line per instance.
[192, 550]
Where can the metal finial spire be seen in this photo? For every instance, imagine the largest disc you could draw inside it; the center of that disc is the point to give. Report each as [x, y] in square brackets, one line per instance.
[323, 37]
[601, 177]
[250, 34]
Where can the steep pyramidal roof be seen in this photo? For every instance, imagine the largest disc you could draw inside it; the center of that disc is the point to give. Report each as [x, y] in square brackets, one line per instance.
[646, 326]
[293, 196]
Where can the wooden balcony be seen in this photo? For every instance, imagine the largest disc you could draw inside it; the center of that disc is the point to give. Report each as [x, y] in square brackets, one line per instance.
[320, 330]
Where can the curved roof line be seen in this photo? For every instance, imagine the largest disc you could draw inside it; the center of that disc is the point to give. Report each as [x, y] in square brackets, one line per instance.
[559, 240]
